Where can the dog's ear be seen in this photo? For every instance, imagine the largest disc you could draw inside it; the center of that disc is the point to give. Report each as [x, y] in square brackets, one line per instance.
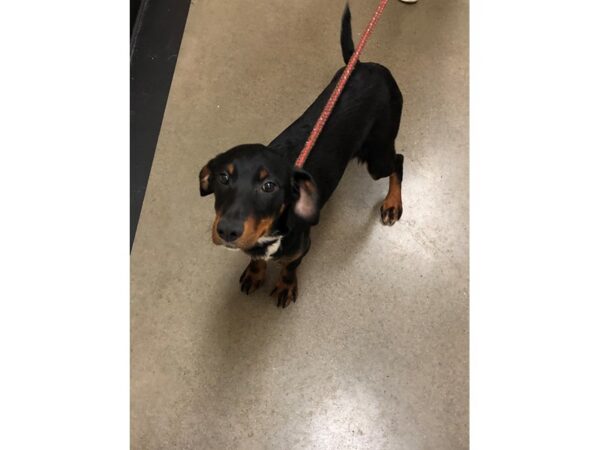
[306, 197]
[206, 180]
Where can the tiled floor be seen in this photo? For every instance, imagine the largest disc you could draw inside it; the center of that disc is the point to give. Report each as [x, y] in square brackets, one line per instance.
[375, 352]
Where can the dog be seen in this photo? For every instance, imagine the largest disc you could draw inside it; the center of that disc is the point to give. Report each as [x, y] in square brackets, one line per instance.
[266, 207]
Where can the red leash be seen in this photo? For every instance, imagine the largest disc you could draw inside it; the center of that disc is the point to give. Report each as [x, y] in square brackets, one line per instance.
[316, 131]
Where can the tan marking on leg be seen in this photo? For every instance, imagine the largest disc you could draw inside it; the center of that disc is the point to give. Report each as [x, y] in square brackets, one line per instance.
[257, 266]
[254, 276]
[285, 260]
[391, 209]
[286, 287]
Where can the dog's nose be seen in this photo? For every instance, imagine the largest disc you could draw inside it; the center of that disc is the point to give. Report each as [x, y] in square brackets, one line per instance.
[229, 231]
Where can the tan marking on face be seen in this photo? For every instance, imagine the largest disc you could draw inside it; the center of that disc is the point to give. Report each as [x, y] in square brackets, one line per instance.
[308, 186]
[253, 231]
[394, 195]
[204, 178]
[263, 174]
[230, 169]
[215, 236]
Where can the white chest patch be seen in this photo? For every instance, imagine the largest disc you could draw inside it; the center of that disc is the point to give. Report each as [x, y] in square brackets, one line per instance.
[273, 244]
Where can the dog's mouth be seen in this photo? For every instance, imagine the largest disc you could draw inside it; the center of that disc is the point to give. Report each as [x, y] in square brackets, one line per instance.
[256, 233]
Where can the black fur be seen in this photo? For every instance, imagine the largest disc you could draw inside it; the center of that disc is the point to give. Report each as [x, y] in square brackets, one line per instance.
[363, 125]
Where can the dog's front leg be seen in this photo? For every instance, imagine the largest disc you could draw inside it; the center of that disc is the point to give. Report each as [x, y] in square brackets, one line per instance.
[286, 288]
[254, 276]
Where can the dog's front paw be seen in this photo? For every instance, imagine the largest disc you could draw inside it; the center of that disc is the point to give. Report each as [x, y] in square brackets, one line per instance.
[286, 291]
[390, 213]
[254, 276]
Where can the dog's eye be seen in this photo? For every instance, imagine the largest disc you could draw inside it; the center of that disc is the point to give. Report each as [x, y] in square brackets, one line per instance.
[269, 186]
[224, 178]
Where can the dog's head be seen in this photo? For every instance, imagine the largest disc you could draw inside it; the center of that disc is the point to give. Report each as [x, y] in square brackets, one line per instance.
[256, 192]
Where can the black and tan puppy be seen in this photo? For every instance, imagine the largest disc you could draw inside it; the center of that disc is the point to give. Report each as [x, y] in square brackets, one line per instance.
[266, 207]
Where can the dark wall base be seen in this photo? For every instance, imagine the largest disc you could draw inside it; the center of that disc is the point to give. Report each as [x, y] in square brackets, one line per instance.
[155, 42]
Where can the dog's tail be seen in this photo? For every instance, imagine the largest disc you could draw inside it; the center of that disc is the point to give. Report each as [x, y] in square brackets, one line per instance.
[346, 36]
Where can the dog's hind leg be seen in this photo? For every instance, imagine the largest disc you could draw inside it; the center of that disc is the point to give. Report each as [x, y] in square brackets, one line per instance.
[391, 208]
[383, 161]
